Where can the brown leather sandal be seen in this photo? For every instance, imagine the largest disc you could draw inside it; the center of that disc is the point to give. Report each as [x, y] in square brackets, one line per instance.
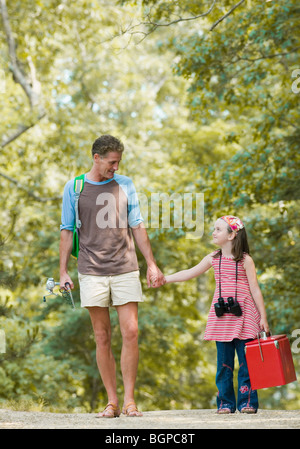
[110, 411]
[131, 410]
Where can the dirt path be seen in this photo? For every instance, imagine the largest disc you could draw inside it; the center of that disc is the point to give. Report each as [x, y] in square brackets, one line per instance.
[167, 419]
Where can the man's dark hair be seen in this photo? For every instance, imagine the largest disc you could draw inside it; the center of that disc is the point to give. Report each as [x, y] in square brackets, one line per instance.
[105, 144]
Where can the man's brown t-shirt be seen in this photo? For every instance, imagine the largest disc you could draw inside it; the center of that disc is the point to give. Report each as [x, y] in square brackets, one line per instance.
[107, 210]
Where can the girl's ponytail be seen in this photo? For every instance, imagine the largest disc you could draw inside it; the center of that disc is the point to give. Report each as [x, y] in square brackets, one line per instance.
[240, 245]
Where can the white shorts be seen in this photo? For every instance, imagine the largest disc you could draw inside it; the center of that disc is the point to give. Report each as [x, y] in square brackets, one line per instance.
[105, 291]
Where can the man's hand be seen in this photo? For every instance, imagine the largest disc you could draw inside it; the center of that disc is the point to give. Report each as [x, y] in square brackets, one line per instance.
[64, 279]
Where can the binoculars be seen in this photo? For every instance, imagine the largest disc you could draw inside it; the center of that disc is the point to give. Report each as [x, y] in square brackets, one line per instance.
[231, 306]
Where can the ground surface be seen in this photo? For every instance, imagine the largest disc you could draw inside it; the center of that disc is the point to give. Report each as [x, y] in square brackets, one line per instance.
[167, 419]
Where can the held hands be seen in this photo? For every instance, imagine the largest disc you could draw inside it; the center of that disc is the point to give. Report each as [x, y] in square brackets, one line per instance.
[155, 278]
[157, 283]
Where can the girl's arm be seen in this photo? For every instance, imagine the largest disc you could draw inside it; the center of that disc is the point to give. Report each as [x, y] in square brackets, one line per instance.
[256, 292]
[191, 273]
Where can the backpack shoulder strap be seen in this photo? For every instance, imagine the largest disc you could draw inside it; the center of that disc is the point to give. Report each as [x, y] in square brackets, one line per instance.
[78, 183]
[78, 186]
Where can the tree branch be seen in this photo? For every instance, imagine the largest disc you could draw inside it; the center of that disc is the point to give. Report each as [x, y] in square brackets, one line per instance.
[276, 55]
[19, 76]
[226, 15]
[132, 29]
[181, 19]
[15, 66]
[21, 129]
[29, 193]
[31, 87]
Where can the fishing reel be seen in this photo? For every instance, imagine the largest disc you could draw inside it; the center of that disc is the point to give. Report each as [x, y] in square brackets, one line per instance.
[66, 292]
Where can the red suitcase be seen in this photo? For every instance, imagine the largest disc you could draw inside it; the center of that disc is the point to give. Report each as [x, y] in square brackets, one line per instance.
[270, 362]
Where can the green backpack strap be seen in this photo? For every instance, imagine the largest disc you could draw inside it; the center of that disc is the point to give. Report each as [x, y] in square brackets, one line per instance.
[78, 186]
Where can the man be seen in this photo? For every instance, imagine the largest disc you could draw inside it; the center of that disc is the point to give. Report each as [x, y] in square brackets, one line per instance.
[107, 264]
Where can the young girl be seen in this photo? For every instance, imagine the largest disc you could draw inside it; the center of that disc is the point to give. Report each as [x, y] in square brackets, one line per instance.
[237, 317]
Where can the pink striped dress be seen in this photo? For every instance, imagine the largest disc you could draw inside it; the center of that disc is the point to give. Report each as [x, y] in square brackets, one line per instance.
[229, 326]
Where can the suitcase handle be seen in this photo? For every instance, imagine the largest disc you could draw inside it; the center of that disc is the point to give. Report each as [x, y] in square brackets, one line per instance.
[263, 336]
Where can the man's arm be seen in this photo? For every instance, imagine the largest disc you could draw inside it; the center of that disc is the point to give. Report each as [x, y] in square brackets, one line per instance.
[65, 249]
[66, 232]
[143, 242]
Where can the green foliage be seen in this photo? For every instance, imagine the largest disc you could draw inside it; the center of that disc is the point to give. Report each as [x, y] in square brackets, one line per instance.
[199, 110]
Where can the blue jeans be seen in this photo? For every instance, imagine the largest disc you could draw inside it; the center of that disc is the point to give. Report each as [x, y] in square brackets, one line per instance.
[224, 378]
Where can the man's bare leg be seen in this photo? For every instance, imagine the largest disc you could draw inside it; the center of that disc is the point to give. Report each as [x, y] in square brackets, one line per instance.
[105, 360]
[128, 319]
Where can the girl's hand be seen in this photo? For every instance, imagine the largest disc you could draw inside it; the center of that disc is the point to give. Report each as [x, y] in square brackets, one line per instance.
[264, 325]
